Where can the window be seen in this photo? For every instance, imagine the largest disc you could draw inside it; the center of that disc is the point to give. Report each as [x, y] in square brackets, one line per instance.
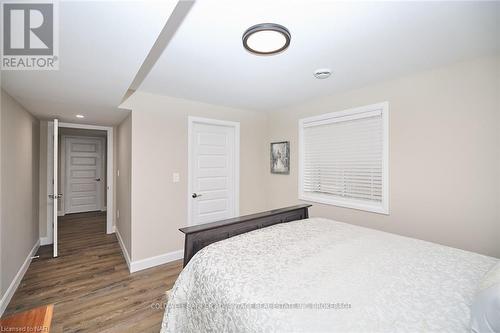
[344, 158]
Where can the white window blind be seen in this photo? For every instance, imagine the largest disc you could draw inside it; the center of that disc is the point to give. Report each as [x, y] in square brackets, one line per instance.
[343, 158]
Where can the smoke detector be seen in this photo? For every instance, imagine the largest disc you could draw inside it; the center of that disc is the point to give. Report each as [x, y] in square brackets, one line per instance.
[322, 73]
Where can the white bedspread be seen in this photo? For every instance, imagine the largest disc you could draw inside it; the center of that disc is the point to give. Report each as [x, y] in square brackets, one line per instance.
[369, 281]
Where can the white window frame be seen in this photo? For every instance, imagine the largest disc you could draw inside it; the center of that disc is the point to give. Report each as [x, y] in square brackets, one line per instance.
[381, 208]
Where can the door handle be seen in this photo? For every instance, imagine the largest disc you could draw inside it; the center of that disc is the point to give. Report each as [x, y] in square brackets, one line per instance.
[58, 196]
[195, 195]
[98, 179]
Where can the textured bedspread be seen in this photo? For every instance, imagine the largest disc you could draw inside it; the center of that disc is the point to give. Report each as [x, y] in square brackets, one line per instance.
[318, 275]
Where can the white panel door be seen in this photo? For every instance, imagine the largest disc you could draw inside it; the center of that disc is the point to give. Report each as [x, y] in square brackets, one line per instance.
[83, 175]
[214, 162]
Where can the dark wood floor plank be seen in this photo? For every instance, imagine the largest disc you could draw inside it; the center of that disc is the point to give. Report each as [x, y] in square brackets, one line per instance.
[89, 283]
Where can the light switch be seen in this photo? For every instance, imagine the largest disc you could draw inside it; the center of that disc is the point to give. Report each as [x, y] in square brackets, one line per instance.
[176, 177]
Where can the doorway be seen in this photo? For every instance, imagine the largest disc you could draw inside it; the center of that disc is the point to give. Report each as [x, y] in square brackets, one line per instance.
[213, 170]
[79, 174]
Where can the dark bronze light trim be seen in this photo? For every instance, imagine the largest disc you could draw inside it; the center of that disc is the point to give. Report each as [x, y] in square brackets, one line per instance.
[267, 27]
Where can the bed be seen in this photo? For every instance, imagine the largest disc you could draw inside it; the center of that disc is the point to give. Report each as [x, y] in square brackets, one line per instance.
[319, 275]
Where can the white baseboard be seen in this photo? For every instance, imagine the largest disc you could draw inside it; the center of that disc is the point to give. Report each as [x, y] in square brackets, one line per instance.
[139, 265]
[17, 279]
[161, 259]
[45, 241]
[122, 246]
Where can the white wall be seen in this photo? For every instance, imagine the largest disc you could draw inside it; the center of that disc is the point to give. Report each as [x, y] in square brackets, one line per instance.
[123, 181]
[19, 187]
[444, 155]
[444, 159]
[159, 148]
[43, 202]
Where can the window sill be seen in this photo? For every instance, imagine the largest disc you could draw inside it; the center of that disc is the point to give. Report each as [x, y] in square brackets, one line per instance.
[328, 200]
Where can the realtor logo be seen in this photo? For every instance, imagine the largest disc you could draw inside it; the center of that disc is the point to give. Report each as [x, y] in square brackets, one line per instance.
[29, 36]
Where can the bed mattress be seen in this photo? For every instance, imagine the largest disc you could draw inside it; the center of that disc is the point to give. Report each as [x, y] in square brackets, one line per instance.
[319, 275]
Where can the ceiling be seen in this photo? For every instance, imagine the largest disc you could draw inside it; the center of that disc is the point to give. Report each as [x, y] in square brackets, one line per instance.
[102, 46]
[362, 42]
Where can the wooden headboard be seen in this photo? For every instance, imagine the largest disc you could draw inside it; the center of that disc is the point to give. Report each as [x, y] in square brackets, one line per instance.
[199, 236]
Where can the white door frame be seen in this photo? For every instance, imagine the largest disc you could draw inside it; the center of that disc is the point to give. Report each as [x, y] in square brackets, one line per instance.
[110, 191]
[236, 125]
[55, 187]
[64, 168]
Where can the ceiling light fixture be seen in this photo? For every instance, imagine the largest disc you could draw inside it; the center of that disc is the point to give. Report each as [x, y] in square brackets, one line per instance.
[80, 116]
[322, 73]
[266, 38]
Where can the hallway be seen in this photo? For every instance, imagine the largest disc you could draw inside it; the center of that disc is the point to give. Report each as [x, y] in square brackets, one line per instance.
[89, 283]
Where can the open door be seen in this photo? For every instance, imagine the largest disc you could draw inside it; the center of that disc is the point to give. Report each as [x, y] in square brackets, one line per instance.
[54, 196]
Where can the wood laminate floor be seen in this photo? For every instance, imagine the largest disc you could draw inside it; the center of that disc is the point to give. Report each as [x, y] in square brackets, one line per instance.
[89, 283]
